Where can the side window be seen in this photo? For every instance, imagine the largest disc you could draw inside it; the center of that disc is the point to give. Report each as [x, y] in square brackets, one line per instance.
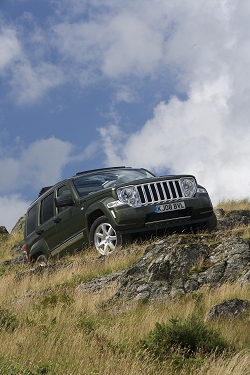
[47, 208]
[31, 220]
[63, 190]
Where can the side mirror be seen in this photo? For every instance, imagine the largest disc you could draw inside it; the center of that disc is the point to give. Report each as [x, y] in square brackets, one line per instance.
[64, 200]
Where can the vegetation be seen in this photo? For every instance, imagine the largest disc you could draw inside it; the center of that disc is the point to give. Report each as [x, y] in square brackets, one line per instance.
[49, 326]
[191, 337]
[234, 204]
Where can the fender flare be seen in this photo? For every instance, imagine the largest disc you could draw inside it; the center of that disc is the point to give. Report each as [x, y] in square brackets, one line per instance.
[39, 248]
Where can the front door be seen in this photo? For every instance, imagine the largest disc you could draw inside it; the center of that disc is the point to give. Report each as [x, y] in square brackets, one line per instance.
[46, 228]
[69, 225]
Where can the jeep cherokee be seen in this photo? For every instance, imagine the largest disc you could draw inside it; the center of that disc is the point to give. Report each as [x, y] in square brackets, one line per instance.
[105, 207]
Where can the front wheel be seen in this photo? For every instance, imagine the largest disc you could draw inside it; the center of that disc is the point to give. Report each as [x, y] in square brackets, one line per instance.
[212, 223]
[103, 236]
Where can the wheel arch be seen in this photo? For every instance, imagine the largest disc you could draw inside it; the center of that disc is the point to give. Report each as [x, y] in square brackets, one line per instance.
[39, 248]
[93, 216]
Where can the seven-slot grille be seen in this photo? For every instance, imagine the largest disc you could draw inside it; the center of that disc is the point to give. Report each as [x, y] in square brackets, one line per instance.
[161, 191]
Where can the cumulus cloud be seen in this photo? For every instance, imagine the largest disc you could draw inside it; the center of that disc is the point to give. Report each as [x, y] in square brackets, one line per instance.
[38, 165]
[30, 83]
[9, 46]
[12, 207]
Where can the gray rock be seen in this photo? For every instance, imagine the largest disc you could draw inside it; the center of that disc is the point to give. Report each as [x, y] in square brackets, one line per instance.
[17, 248]
[232, 219]
[229, 308]
[19, 226]
[3, 230]
[97, 284]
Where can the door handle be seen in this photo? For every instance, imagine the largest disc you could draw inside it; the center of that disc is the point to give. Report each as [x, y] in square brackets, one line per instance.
[57, 220]
[39, 232]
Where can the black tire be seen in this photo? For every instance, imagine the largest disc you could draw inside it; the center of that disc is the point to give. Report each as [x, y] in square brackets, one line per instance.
[212, 223]
[103, 236]
[41, 260]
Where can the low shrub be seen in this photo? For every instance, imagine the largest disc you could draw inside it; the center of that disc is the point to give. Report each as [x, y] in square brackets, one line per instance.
[189, 337]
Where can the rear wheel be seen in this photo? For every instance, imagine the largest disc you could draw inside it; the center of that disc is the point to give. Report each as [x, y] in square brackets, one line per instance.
[41, 260]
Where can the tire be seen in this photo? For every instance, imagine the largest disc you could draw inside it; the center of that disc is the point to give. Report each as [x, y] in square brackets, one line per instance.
[212, 223]
[103, 236]
[41, 260]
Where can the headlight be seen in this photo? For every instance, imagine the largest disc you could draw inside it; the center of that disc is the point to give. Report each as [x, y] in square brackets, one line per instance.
[129, 195]
[188, 186]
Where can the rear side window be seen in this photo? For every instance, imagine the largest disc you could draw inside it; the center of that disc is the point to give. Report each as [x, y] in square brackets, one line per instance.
[31, 219]
[47, 208]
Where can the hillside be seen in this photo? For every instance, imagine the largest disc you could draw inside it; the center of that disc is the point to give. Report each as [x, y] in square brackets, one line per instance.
[138, 311]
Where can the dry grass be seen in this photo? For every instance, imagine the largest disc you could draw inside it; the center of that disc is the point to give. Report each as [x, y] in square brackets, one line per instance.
[59, 330]
[234, 204]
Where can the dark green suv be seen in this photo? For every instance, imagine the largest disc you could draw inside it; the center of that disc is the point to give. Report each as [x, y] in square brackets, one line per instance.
[105, 207]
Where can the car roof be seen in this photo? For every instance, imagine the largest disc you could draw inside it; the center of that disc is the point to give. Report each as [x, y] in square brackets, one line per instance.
[101, 169]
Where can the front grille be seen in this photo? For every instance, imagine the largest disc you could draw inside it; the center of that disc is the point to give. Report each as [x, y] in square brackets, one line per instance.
[158, 192]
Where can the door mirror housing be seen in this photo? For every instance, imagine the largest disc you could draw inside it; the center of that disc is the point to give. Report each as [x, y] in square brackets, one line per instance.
[64, 201]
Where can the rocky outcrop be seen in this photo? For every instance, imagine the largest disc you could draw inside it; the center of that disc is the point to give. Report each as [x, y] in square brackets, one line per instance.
[232, 219]
[19, 226]
[227, 309]
[180, 264]
[183, 264]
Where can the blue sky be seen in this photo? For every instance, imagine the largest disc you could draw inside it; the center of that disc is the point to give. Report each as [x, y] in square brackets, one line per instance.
[153, 83]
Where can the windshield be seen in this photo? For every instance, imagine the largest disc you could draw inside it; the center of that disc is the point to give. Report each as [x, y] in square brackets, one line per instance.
[88, 183]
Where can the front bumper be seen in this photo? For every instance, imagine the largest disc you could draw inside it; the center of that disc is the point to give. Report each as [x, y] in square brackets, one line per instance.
[127, 219]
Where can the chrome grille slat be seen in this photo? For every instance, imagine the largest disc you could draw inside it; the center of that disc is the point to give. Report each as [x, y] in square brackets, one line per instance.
[170, 191]
[163, 190]
[144, 193]
[159, 192]
[175, 188]
[150, 192]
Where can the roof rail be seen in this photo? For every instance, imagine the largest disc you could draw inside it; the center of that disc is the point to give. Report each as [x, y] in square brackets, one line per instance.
[100, 169]
[44, 189]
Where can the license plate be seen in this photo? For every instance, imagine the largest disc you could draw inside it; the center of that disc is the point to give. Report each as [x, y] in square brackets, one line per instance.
[169, 207]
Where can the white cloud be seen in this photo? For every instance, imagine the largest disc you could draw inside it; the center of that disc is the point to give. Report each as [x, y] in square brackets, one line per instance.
[12, 207]
[114, 40]
[40, 164]
[9, 46]
[31, 83]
